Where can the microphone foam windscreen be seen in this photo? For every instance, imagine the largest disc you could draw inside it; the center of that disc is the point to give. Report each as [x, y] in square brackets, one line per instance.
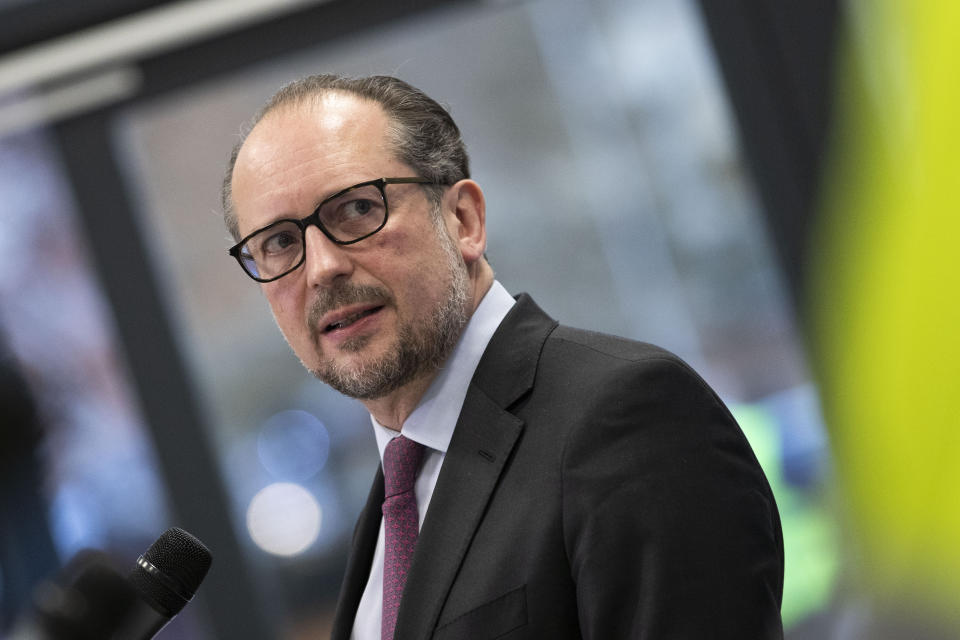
[181, 562]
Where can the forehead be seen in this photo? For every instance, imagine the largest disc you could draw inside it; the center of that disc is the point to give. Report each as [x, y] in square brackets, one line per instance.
[330, 126]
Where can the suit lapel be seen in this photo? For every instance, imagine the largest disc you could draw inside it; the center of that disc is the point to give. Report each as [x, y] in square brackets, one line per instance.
[482, 442]
[359, 561]
[458, 502]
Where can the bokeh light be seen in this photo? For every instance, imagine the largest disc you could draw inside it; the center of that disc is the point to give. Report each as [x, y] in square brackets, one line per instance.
[293, 445]
[284, 519]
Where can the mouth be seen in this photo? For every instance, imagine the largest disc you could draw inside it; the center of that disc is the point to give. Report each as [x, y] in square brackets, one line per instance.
[342, 320]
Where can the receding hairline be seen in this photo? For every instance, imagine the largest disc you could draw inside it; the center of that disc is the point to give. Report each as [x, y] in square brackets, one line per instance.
[317, 103]
[314, 99]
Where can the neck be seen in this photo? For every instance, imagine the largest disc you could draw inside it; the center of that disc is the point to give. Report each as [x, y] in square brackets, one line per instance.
[393, 409]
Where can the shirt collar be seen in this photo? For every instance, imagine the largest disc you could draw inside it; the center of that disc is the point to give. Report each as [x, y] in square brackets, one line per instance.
[432, 422]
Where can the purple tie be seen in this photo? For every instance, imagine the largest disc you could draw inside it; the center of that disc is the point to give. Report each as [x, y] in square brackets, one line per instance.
[401, 461]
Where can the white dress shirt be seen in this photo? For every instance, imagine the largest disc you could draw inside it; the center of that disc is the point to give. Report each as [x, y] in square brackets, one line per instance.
[431, 424]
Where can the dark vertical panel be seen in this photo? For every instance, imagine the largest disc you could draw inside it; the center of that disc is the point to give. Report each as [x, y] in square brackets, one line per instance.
[27, 554]
[777, 62]
[161, 379]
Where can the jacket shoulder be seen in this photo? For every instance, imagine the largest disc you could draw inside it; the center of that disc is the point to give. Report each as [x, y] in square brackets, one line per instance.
[571, 340]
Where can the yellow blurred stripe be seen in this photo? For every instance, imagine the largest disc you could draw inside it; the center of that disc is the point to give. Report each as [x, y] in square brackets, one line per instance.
[885, 297]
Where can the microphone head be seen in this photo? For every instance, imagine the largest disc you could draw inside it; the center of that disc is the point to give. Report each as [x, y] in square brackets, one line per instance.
[169, 573]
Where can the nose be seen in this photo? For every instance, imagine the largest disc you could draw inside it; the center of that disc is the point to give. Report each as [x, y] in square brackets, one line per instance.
[325, 261]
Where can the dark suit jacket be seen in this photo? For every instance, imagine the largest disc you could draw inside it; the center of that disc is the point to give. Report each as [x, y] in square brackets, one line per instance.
[594, 487]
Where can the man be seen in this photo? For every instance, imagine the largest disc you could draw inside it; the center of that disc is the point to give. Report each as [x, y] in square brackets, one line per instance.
[541, 481]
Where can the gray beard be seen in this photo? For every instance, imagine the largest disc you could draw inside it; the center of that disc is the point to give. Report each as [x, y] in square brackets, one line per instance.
[417, 350]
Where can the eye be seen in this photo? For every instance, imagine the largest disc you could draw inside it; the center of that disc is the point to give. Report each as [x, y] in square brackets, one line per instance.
[357, 208]
[280, 242]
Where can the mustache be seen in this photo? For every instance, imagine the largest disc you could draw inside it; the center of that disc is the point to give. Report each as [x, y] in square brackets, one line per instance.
[331, 299]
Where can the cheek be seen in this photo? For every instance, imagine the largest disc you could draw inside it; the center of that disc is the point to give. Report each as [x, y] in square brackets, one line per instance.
[389, 244]
[274, 293]
[286, 308]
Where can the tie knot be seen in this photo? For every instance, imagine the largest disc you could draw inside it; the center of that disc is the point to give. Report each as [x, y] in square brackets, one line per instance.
[401, 461]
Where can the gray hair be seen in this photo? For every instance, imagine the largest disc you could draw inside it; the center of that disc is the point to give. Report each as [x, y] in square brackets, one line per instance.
[422, 134]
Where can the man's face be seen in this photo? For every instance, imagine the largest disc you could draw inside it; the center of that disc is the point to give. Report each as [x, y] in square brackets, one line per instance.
[365, 318]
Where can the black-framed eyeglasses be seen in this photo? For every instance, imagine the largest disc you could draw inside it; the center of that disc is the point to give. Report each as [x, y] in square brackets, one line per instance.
[346, 217]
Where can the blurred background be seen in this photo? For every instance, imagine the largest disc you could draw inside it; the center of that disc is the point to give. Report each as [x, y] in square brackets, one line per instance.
[763, 187]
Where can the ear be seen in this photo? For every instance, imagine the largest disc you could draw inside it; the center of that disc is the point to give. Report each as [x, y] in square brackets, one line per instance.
[467, 219]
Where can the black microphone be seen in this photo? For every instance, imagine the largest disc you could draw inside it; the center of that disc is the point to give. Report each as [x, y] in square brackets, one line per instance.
[166, 577]
[90, 600]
